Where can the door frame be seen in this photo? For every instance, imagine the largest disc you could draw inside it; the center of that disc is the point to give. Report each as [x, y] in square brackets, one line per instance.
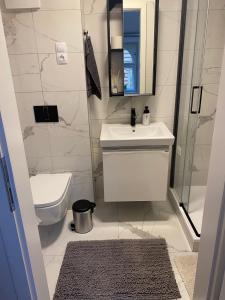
[24, 215]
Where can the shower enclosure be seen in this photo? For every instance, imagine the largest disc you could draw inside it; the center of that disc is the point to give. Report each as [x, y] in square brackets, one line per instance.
[200, 59]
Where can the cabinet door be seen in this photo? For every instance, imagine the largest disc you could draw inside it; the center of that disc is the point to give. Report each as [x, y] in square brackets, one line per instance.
[135, 175]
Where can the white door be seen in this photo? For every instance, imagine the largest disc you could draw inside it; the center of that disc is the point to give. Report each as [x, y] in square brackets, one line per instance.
[7, 287]
[16, 280]
[18, 274]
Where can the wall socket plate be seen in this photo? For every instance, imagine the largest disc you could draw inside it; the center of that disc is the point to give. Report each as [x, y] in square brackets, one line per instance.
[62, 58]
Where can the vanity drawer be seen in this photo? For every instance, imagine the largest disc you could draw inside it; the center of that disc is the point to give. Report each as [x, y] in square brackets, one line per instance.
[135, 175]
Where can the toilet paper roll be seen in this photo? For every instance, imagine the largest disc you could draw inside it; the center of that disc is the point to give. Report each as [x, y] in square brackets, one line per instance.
[117, 42]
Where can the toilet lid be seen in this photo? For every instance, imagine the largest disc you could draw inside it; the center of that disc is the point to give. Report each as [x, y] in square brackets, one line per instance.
[49, 189]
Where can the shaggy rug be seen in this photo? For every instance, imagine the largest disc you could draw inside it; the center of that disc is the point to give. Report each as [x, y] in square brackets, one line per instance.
[116, 270]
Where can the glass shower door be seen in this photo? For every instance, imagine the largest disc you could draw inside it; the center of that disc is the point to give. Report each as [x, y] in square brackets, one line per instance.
[195, 94]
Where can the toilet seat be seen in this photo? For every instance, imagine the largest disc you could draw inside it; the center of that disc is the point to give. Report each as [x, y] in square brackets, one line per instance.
[49, 189]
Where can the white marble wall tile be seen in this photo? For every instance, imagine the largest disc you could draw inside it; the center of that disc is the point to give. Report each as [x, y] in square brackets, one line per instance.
[82, 187]
[77, 163]
[169, 30]
[212, 65]
[19, 33]
[59, 4]
[167, 68]
[67, 141]
[209, 102]
[49, 30]
[25, 71]
[201, 157]
[36, 137]
[24, 64]
[172, 5]
[162, 104]
[205, 130]
[70, 77]
[94, 6]
[27, 83]
[38, 165]
[109, 108]
[216, 4]
[96, 24]
[215, 32]
[199, 178]
[25, 103]
[97, 162]
[187, 67]
[37, 141]
[99, 187]
[191, 20]
[72, 107]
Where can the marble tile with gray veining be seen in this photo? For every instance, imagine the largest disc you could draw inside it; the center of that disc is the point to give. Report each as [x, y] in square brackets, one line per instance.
[55, 77]
[19, 32]
[49, 30]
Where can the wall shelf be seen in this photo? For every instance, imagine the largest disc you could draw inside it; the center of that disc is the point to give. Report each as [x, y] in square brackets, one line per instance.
[115, 56]
[116, 50]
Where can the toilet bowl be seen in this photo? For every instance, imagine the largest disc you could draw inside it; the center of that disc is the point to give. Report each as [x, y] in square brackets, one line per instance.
[51, 194]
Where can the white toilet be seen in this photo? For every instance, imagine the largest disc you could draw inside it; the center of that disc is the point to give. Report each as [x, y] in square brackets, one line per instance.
[51, 194]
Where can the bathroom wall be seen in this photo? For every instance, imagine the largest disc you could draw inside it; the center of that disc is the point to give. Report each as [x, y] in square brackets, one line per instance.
[38, 80]
[117, 110]
[215, 39]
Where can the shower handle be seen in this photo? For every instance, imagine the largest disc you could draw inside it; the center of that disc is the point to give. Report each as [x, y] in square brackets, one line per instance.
[195, 89]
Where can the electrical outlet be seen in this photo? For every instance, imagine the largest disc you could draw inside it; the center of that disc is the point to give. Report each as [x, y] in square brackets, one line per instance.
[62, 58]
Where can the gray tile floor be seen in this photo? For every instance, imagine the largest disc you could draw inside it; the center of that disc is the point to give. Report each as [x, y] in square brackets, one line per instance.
[117, 221]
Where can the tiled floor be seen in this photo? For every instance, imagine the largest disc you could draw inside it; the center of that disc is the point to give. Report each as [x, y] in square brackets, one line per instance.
[117, 221]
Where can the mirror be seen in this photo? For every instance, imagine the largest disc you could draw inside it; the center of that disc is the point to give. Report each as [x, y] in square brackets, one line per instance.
[132, 46]
[140, 22]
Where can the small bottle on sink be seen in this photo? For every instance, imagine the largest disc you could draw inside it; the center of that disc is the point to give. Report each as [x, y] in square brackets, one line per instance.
[146, 116]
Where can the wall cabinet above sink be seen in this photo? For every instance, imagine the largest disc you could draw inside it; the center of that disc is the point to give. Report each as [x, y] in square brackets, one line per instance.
[132, 46]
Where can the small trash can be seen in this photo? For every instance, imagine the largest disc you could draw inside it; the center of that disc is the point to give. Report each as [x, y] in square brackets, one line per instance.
[82, 215]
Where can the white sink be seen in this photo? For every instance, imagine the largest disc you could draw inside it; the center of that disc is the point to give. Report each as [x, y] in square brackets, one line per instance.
[123, 135]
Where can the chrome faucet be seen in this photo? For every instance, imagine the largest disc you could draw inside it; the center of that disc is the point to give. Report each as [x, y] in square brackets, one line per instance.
[133, 117]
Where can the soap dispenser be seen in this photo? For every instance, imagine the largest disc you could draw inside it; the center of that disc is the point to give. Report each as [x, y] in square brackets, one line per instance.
[146, 116]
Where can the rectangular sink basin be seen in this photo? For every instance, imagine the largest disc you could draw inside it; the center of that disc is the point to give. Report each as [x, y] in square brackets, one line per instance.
[123, 135]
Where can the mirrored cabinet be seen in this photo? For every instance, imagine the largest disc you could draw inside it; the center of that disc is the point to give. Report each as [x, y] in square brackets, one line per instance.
[132, 46]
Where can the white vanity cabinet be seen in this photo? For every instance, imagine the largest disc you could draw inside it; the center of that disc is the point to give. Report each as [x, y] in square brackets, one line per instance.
[137, 175]
[135, 162]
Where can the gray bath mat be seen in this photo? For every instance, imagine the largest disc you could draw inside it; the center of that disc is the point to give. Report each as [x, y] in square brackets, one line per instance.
[116, 270]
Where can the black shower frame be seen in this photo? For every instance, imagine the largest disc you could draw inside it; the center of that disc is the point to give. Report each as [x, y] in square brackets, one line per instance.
[177, 105]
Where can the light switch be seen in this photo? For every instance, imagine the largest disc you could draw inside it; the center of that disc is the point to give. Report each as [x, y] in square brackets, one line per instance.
[60, 47]
[62, 58]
